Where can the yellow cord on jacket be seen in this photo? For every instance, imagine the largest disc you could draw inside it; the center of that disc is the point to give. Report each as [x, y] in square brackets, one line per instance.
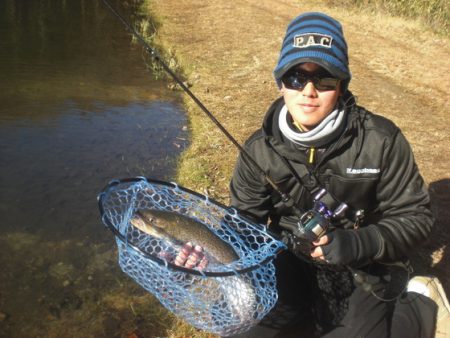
[312, 153]
[312, 150]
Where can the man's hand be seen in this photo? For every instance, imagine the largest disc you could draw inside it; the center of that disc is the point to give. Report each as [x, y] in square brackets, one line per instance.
[191, 256]
[348, 246]
[317, 250]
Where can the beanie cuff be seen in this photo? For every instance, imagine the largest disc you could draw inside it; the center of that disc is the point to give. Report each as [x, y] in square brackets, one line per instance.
[332, 69]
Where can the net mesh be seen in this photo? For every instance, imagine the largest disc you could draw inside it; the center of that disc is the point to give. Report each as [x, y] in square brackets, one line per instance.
[224, 299]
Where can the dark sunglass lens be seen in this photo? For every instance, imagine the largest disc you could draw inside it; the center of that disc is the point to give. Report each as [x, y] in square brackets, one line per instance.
[294, 80]
[297, 81]
[326, 83]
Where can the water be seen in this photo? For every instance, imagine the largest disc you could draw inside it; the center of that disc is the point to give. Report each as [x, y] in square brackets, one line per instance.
[78, 107]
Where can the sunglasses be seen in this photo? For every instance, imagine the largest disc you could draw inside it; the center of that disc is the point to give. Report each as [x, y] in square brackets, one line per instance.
[298, 80]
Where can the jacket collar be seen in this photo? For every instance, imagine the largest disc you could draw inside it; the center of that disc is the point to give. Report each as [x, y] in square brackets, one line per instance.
[293, 151]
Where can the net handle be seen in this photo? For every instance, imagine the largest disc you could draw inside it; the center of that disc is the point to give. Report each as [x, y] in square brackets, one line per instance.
[161, 261]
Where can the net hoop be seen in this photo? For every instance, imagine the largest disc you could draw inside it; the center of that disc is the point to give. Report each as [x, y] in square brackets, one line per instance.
[223, 298]
[276, 246]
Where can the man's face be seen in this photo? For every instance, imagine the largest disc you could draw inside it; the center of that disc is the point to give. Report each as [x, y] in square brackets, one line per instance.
[309, 105]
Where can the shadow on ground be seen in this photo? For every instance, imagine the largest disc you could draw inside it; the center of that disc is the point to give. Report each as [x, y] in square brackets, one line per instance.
[432, 258]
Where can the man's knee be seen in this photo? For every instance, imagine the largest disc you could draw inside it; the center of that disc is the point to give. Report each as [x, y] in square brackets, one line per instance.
[414, 316]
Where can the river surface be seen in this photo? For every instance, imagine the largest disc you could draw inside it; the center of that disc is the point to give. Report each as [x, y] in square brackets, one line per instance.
[78, 108]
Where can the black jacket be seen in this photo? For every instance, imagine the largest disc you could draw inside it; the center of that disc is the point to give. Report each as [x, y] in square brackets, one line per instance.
[370, 166]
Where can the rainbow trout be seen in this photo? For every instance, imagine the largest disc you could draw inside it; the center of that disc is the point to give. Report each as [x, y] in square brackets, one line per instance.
[178, 230]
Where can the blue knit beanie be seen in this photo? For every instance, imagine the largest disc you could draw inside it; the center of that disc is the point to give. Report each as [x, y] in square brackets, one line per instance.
[314, 37]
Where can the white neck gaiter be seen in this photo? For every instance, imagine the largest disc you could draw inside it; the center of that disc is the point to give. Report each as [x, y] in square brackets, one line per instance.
[322, 134]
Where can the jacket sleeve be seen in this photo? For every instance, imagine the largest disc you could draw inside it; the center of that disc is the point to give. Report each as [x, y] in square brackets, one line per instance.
[250, 194]
[404, 204]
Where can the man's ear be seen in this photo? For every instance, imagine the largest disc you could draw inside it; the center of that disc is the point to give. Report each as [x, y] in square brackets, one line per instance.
[343, 87]
[340, 89]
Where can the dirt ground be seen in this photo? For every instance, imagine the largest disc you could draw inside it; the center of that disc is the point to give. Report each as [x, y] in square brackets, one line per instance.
[229, 49]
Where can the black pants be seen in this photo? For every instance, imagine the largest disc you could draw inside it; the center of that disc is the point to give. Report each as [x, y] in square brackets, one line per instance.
[306, 310]
[411, 316]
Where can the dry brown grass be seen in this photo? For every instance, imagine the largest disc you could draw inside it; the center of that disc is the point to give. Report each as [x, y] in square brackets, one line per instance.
[432, 13]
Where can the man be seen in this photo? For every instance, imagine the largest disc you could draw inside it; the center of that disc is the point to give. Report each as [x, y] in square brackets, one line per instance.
[329, 154]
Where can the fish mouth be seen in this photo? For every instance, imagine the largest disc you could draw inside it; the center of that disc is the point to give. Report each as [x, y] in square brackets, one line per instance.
[144, 221]
[139, 223]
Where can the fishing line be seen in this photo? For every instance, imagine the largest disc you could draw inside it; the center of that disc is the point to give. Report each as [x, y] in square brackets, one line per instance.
[285, 197]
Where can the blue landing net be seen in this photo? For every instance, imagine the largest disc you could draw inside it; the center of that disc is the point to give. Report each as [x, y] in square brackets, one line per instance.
[223, 298]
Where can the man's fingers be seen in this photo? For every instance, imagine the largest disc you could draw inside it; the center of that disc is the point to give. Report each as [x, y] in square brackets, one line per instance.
[203, 263]
[317, 253]
[321, 241]
[191, 256]
[194, 257]
[183, 255]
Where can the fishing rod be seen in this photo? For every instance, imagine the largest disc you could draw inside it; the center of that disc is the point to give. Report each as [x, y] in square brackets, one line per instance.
[313, 223]
[286, 198]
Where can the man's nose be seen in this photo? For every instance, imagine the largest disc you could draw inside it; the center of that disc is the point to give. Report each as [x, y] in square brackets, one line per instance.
[309, 90]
